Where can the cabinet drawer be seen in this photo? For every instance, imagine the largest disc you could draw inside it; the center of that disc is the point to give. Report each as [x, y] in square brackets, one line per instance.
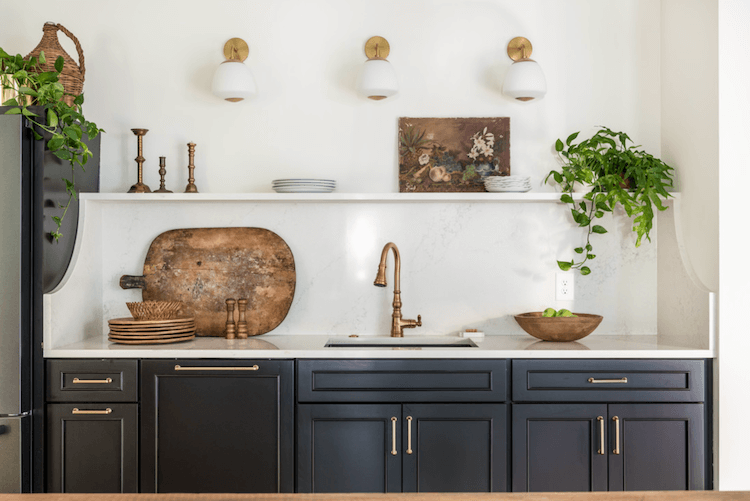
[609, 380]
[402, 380]
[92, 380]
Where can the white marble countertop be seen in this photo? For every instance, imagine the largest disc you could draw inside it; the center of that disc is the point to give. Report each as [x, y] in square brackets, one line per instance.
[313, 346]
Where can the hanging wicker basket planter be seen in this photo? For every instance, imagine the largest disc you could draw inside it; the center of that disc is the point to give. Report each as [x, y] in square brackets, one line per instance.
[72, 75]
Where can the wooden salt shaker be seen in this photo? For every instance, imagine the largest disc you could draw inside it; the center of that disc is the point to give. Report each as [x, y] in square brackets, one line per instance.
[242, 323]
[230, 330]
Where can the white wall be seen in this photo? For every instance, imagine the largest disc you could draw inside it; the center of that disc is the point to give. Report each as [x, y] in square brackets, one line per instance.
[690, 126]
[734, 296]
[150, 63]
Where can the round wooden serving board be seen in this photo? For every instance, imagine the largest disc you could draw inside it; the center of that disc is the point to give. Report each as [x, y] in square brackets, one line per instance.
[202, 267]
[152, 341]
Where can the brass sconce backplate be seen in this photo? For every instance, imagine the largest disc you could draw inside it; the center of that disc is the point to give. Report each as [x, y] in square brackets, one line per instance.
[236, 49]
[519, 48]
[377, 48]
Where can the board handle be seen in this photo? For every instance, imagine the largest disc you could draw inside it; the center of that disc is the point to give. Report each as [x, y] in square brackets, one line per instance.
[132, 282]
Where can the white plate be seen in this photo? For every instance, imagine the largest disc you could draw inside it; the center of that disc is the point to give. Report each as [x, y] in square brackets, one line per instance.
[507, 190]
[286, 185]
[301, 180]
[303, 190]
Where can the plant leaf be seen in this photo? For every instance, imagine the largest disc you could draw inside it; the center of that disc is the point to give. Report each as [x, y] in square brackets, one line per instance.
[51, 118]
[59, 63]
[559, 145]
[564, 265]
[579, 250]
[598, 229]
[585, 270]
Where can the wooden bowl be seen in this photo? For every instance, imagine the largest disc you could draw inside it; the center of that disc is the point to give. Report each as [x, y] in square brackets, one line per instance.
[154, 310]
[558, 329]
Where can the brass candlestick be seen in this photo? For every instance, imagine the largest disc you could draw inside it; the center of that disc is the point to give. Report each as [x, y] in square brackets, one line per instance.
[191, 188]
[162, 173]
[139, 187]
[242, 323]
[230, 330]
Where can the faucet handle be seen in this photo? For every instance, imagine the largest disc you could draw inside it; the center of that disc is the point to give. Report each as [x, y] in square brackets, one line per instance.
[419, 320]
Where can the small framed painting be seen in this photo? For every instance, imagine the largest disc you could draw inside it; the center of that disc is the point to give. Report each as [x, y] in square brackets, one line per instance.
[451, 154]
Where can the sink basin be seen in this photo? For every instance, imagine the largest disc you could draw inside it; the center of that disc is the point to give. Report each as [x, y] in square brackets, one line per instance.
[399, 342]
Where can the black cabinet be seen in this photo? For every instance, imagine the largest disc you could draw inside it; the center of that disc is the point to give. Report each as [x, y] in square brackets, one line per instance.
[217, 426]
[588, 435]
[92, 448]
[92, 435]
[395, 448]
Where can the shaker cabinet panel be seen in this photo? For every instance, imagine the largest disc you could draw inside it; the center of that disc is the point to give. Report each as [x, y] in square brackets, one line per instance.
[454, 448]
[661, 447]
[348, 448]
[559, 447]
[217, 426]
[92, 448]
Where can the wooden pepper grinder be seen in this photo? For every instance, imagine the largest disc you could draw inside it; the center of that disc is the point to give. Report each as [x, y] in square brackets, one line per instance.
[242, 323]
[139, 187]
[191, 188]
[162, 173]
[230, 330]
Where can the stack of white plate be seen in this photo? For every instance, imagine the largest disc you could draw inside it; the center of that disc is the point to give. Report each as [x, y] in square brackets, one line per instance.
[304, 185]
[519, 184]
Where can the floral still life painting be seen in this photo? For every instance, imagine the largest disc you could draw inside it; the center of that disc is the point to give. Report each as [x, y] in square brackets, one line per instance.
[451, 154]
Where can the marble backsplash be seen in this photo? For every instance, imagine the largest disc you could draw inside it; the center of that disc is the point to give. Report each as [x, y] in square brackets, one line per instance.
[464, 264]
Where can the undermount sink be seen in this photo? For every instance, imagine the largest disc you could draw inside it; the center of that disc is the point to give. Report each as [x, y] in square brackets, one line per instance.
[399, 342]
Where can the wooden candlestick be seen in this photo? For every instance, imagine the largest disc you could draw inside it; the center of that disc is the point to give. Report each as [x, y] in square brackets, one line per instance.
[242, 323]
[139, 187]
[230, 330]
[191, 188]
[162, 173]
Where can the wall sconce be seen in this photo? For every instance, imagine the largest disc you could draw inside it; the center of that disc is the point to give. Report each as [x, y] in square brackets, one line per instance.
[233, 80]
[378, 78]
[525, 80]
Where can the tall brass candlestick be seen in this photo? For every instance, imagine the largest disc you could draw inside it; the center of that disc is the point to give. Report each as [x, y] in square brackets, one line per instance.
[139, 187]
[191, 188]
[162, 173]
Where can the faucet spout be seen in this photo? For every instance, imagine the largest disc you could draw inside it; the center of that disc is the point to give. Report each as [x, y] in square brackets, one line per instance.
[398, 324]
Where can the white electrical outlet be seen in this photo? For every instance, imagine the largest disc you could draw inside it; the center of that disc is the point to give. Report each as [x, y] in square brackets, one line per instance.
[564, 286]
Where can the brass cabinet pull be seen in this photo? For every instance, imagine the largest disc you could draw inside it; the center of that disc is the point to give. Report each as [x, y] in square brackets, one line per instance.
[408, 435]
[393, 423]
[601, 435]
[617, 435]
[92, 381]
[181, 368]
[621, 380]
[105, 411]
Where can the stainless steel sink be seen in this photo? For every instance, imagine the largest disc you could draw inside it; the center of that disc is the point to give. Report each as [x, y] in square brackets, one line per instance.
[399, 342]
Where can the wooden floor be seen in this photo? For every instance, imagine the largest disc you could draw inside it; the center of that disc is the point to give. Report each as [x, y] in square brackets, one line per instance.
[567, 496]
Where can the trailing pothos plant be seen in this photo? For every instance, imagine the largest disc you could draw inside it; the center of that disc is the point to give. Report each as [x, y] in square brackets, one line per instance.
[63, 124]
[615, 173]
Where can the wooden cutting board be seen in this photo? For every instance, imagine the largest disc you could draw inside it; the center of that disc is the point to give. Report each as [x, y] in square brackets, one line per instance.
[202, 267]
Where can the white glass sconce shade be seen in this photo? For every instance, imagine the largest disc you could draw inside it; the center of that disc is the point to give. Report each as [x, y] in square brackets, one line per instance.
[378, 80]
[233, 81]
[525, 81]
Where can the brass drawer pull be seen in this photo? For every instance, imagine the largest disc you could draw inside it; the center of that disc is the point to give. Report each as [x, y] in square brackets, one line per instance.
[601, 435]
[181, 368]
[617, 435]
[393, 423]
[105, 411]
[92, 381]
[621, 380]
[408, 435]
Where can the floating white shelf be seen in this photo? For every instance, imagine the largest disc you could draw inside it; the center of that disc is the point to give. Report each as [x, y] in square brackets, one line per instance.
[327, 197]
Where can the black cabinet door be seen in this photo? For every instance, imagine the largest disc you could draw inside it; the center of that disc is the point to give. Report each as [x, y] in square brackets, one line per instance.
[559, 447]
[349, 448]
[217, 426]
[661, 447]
[454, 448]
[92, 448]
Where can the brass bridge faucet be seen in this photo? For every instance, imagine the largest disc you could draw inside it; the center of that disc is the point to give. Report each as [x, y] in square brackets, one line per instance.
[398, 325]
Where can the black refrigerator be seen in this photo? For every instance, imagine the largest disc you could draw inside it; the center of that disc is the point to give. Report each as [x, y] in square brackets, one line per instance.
[31, 263]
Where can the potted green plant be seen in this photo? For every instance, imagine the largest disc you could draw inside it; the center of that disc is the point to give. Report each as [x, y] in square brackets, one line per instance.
[63, 125]
[614, 172]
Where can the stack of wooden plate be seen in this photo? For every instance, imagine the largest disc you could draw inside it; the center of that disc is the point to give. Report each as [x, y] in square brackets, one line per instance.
[130, 331]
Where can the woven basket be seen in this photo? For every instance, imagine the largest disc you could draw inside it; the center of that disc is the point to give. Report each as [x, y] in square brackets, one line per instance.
[154, 310]
[72, 75]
